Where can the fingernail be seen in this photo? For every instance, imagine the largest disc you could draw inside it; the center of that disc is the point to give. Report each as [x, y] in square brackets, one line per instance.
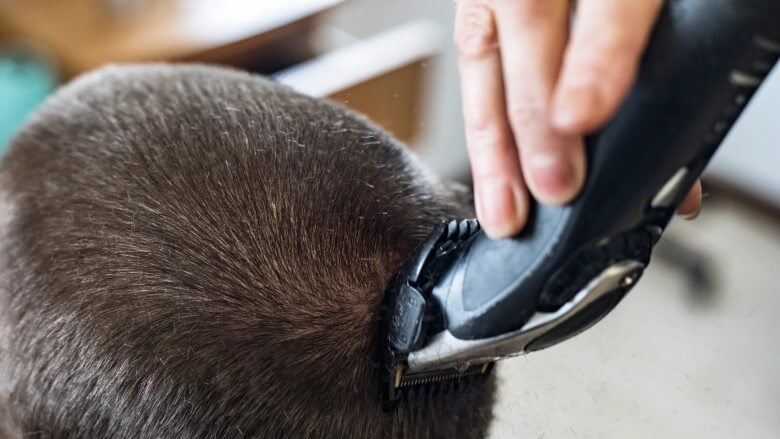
[497, 207]
[693, 215]
[552, 178]
[573, 107]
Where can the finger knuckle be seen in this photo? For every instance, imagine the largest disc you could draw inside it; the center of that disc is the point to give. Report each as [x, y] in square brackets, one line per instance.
[475, 32]
[483, 138]
[487, 164]
[525, 111]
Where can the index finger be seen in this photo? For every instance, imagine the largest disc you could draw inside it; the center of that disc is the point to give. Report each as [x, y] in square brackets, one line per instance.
[500, 195]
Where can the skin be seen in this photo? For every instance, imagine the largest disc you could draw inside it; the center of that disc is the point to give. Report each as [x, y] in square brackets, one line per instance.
[532, 86]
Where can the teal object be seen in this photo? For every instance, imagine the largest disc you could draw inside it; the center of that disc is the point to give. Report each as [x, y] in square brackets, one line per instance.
[25, 81]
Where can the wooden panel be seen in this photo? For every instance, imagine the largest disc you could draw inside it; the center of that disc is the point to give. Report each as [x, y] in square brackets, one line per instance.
[83, 35]
[392, 100]
[383, 77]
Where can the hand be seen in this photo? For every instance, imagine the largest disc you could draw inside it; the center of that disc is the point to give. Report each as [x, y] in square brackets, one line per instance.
[531, 91]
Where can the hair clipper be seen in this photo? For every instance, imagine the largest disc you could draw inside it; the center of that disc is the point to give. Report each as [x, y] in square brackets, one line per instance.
[463, 300]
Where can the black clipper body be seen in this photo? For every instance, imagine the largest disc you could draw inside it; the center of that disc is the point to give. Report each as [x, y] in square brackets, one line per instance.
[464, 300]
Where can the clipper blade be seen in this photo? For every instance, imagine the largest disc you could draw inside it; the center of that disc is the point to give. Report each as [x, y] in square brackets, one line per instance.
[400, 385]
[403, 381]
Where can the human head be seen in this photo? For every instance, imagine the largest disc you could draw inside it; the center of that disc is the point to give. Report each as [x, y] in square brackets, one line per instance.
[199, 252]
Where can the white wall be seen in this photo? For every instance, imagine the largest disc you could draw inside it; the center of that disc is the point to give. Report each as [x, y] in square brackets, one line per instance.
[750, 155]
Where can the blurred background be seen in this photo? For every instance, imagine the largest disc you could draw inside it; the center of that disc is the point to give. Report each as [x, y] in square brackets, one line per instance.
[692, 352]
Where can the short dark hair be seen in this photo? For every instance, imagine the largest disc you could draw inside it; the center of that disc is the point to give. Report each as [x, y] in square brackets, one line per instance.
[193, 251]
[9, 429]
